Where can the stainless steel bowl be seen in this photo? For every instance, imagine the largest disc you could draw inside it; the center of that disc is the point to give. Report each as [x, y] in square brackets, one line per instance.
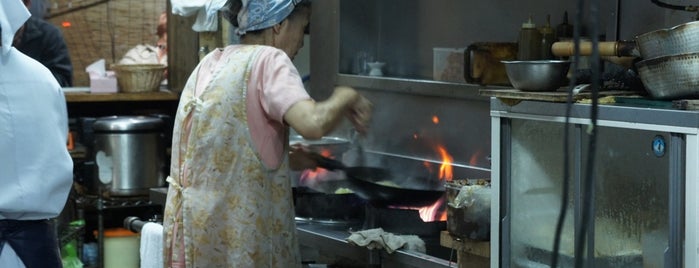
[671, 77]
[537, 75]
[681, 39]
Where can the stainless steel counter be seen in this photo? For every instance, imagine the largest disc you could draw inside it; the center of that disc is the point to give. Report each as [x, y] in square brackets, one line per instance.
[330, 241]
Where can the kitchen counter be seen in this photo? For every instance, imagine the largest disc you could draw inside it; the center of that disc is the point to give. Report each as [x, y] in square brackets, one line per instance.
[331, 241]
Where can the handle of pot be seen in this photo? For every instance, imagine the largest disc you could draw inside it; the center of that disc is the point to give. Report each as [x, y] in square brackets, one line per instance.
[467, 65]
[328, 163]
[607, 48]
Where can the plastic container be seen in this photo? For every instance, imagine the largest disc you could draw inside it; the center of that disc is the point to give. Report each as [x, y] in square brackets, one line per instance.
[529, 42]
[121, 249]
[448, 64]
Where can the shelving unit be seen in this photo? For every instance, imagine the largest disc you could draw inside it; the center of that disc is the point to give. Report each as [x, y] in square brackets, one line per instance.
[102, 212]
[162, 95]
[415, 86]
[102, 205]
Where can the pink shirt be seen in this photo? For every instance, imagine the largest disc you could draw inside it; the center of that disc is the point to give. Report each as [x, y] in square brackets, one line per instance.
[275, 85]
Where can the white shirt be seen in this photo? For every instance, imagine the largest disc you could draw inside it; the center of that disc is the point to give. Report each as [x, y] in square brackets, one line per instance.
[36, 170]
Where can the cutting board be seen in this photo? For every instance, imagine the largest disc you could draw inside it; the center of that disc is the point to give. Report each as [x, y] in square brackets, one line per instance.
[561, 95]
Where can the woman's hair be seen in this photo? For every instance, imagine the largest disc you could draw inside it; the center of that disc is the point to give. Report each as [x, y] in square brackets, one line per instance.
[232, 7]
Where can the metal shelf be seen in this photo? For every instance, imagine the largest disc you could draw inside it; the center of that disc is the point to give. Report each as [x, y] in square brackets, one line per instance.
[415, 86]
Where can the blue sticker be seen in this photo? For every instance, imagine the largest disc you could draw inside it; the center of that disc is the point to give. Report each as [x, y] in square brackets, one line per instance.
[659, 146]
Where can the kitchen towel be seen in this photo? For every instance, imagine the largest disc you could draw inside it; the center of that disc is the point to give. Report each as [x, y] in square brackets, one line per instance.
[206, 10]
[379, 239]
[151, 248]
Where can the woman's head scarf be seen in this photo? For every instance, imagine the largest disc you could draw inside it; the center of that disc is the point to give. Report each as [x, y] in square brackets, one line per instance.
[13, 14]
[261, 14]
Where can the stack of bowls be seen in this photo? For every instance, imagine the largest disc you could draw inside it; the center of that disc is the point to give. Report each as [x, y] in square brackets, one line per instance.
[670, 69]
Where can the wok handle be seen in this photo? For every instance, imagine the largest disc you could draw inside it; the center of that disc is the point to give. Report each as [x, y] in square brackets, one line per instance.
[328, 163]
[606, 48]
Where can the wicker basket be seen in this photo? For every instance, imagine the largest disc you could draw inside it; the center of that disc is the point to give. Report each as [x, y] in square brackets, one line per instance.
[136, 78]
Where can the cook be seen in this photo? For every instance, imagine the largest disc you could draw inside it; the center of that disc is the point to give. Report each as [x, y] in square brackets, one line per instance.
[36, 171]
[229, 201]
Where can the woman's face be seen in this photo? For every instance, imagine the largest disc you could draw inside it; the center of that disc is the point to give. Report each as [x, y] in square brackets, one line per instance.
[290, 38]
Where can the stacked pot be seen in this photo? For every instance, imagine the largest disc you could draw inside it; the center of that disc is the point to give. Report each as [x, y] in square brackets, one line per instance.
[670, 65]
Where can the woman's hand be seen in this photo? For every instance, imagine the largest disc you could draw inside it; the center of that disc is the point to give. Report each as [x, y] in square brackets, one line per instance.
[360, 114]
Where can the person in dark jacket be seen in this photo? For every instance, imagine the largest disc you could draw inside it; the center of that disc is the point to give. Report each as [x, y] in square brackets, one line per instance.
[44, 42]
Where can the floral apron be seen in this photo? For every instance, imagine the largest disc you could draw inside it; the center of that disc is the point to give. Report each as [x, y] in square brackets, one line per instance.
[224, 207]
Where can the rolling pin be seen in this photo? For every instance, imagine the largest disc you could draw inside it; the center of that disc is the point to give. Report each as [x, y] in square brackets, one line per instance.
[606, 48]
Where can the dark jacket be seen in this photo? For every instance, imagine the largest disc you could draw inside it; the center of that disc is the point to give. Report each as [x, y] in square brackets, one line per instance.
[44, 42]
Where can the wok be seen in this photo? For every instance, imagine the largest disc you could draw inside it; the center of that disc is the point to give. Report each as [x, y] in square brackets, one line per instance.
[381, 188]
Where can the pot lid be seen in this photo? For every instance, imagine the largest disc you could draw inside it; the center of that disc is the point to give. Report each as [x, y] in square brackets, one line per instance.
[127, 123]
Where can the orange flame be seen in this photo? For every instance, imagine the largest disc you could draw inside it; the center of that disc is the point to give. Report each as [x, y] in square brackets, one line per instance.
[308, 176]
[433, 212]
[437, 211]
[445, 170]
[435, 119]
[474, 158]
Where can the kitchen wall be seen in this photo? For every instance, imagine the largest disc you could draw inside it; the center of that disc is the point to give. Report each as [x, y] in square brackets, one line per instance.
[402, 33]
[100, 29]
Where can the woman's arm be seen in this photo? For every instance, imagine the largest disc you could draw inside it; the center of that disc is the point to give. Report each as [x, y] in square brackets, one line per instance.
[313, 120]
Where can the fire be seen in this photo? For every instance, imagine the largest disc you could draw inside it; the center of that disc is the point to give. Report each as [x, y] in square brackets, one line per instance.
[435, 119]
[309, 177]
[433, 212]
[445, 170]
[474, 158]
[436, 211]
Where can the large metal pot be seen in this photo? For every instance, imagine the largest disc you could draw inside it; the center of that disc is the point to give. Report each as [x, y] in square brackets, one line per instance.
[129, 155]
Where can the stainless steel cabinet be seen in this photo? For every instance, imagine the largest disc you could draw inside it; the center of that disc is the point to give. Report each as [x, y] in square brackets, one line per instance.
[646, 170]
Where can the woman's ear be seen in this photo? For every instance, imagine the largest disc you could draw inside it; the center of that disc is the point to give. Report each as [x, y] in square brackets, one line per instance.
[279, 26]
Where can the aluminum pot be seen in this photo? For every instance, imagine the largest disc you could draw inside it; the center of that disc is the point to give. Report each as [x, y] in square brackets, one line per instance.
[671, 77]
[129, 155]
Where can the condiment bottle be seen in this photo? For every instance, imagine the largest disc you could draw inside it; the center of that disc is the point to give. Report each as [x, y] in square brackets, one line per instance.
[529, 43]
[547, 39]
[564, 30]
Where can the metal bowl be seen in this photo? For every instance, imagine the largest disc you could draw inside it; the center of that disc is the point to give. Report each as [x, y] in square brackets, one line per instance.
[537, 75]
[671, 77]
[681, 39]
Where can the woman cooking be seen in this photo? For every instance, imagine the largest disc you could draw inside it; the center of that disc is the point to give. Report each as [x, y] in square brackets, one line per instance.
[229, 201]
